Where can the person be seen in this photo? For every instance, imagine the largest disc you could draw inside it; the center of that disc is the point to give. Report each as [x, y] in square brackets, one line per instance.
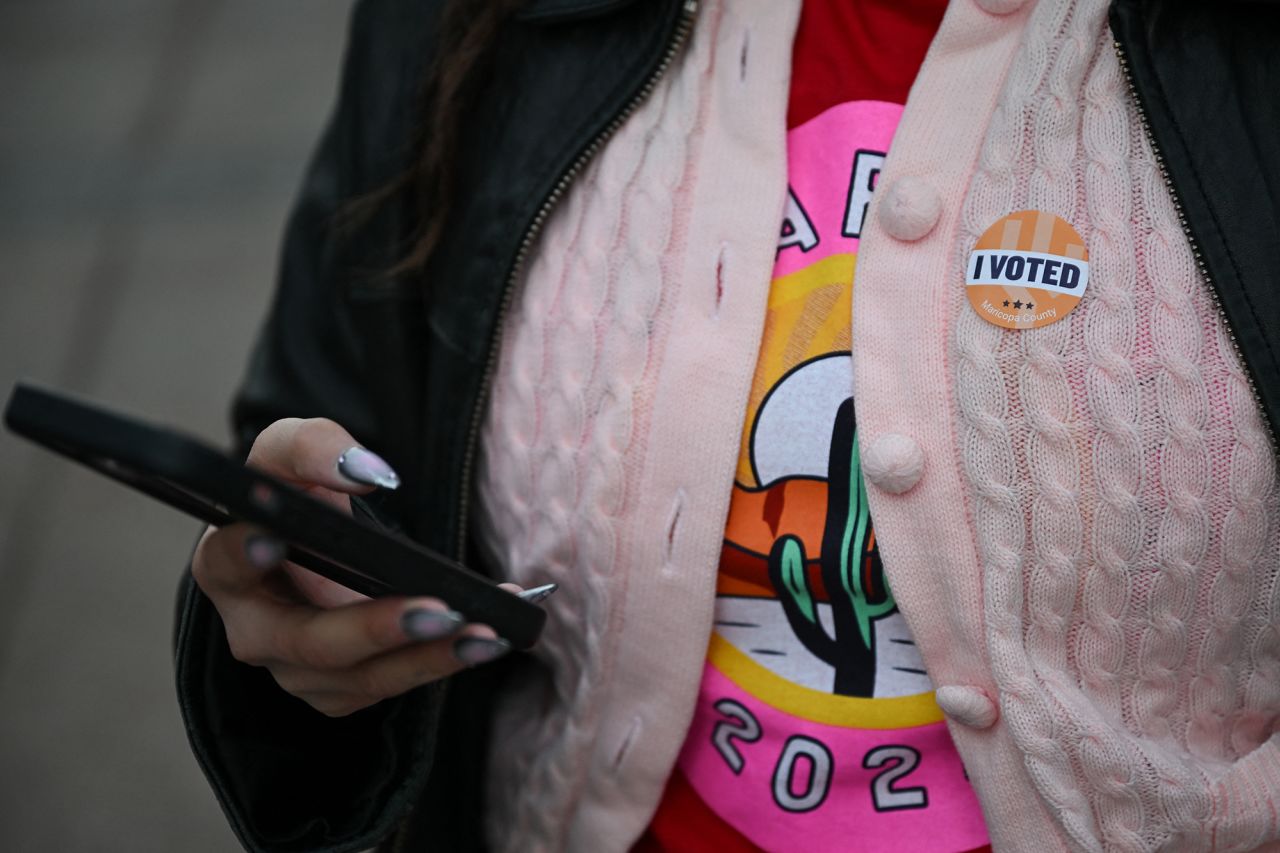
[1076, 531]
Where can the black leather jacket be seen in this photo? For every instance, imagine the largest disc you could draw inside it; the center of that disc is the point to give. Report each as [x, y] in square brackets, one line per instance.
[405, 364]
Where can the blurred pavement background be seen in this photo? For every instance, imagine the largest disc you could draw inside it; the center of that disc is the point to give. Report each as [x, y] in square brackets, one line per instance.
[148, 153]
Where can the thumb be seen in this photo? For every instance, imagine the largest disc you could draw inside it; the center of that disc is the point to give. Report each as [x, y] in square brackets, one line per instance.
[319, 452]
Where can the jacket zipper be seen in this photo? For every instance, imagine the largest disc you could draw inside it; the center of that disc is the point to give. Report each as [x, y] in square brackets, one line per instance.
[679, 36]
[1191, 240]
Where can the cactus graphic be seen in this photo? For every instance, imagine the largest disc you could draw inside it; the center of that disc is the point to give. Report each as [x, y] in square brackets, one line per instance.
[850, 570]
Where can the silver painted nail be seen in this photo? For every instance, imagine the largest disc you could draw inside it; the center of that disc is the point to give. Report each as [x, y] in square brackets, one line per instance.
[422, 623]
[364, 466]
[538, 593]
[477, 650]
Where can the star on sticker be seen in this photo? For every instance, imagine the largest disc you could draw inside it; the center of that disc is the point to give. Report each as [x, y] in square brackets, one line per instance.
[1030, 306]
[1018, 304]
[1006, 303]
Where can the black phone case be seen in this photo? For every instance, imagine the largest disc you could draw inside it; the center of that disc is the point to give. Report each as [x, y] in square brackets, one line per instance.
[209, 485]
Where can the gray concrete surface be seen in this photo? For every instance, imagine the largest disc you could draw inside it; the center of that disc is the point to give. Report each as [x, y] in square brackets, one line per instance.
[148, 152]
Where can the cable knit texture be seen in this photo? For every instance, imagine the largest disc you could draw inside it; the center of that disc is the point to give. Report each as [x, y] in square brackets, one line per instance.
[1087, 544]
[1112, 469]
[568, 429]
[1122, 488]
[611, 442]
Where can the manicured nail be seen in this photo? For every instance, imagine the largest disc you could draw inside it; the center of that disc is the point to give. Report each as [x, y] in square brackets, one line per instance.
[365, 466]
[538, 593]
[422, 623]
[477, 650]
[262, 551]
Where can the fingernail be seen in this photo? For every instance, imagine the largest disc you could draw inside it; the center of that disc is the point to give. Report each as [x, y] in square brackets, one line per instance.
[424, 624]
[365, 466]
[538, 593]
[477, 650]
[262, 551]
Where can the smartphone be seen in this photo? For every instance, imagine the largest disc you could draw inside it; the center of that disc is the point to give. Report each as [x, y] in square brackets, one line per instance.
[211, 486]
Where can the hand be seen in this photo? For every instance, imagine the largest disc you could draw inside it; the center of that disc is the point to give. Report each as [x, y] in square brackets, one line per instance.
[335, 649]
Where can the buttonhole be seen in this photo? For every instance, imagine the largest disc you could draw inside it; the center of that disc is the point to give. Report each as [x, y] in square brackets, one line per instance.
[628, 741]
[720, 277]
[673, 523]
[742, 55]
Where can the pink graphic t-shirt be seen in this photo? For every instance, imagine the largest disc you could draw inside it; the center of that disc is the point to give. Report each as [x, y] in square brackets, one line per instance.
[816, 726]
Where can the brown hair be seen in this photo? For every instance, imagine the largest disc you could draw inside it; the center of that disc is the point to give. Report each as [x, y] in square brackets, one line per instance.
[468, 32]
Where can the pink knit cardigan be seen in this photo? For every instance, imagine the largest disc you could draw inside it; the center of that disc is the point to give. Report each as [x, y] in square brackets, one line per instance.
[1079, 522]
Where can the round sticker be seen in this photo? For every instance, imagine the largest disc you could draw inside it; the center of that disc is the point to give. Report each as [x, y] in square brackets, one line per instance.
[1027, 270]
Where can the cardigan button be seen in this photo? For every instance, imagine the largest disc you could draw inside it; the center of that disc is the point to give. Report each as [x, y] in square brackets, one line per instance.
[910, 209]
[1001, 7]
[893, 463]
[968, 706]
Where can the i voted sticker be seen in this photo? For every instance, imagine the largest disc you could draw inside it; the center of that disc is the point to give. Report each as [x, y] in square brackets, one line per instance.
[1027, 270]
